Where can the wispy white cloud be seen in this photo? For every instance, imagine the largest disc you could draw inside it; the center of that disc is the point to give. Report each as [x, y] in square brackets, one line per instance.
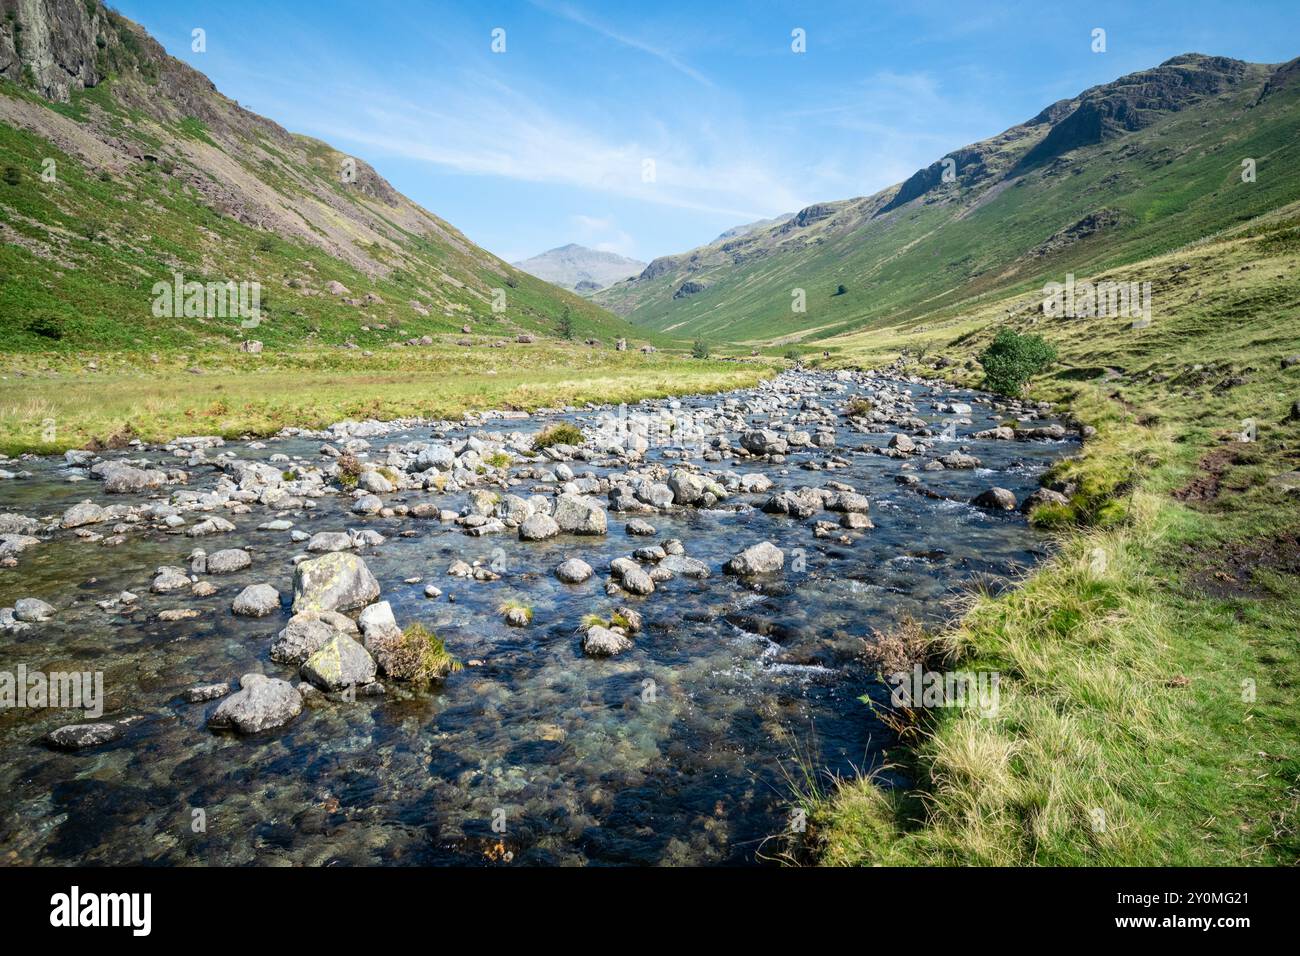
[603, 234]
[572, 14]
[496, 131]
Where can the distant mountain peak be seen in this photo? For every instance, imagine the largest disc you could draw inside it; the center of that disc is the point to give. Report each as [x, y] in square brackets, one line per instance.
[579, 268]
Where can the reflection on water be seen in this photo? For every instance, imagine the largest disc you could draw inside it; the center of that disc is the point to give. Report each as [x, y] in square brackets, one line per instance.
[671, 753]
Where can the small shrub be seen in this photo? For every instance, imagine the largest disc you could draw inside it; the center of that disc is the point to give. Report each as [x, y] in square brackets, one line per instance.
[349, 471]
[560, 433]
[420, 657]
[840, 290]
[1013, 359]
[860, 407]
[794, 355]
[565, 327]
[13, 176]
[46, 326]
[700, 349]
[499, 460]
[511, 604]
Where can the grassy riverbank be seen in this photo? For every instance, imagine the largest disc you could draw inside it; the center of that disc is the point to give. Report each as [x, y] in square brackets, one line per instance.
[51, 402]
[1147, 708]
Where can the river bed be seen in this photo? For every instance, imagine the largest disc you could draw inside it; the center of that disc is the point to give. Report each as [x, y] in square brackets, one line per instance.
[679, 751]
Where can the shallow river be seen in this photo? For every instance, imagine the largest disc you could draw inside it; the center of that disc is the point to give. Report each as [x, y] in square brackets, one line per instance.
[679, 751]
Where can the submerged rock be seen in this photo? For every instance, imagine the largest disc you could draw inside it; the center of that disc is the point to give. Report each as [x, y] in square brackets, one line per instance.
[79, 736]
[207, 692]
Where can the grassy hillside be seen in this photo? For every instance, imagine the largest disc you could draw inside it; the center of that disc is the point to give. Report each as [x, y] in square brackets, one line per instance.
[1018, 214]
[151, 172]
[1147, 671]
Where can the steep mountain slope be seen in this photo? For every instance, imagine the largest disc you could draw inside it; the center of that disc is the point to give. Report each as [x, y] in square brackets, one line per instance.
[735, 232]
[123, 167]
[1124, 171]
[580, 269]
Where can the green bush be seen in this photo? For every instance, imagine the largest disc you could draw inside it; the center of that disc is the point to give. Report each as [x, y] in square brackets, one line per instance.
[700, 349]
[561, 433]
[1013, 359]
[420, 657]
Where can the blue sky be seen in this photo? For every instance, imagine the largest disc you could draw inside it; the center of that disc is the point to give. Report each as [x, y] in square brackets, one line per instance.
[547, 142]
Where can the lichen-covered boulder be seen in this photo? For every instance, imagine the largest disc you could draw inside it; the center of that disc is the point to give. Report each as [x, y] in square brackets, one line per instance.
[333, 582]
[341, 662]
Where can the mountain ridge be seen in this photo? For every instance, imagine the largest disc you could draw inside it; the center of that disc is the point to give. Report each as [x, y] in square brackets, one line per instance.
[157, 172]
[964, 223]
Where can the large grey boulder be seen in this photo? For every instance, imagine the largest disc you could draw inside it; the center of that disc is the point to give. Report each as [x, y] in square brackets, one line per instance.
[228, 561]
[169, 579]
[686, 567]
[574, 571]
[341, 662]
[632, 577]
[763, 441]
[127, 479]
[436, 456]
[328, 542]
[577, 515]
[803, 503]
[762, 558]
[306, 633]
[995, 499]
[80, 515]
[260, 704]
[849, 501]
[605, 642]
[333, 582]
[374, 482]
[256, 600]
[538, 528]
[902, 443]
[16, 524]
[32, 610]
[687, 487]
